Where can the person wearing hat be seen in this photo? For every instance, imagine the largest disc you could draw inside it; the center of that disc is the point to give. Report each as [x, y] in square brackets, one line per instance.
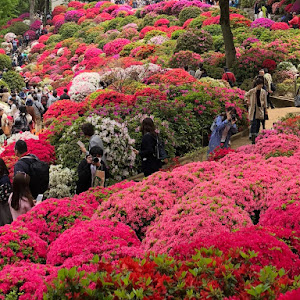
[30, 111]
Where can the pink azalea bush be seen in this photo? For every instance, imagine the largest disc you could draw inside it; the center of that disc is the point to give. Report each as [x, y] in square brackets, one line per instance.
[262, 22]
[115, 47]
[102, 237]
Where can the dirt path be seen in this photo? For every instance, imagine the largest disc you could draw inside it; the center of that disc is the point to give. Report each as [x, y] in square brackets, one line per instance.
[274, 115]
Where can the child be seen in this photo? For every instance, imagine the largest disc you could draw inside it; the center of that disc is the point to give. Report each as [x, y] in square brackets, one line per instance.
[20, 200]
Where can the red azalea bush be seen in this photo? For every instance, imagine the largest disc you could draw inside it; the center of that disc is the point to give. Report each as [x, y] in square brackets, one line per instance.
[103, 97]
[115, 46]
[270, 64]
[149, 93]
[53, 216]
[192, 219]
[20, 244]
[268, 249]
[102, 237]
[38, 48]
[41, 148]
[172, 77]
[137, 206]
[31, 34]
[60, 9]
[91, 53]
[292, 295]
[27, 280]
[161, 22]
[76, 4]
[64, 108]
[36, 25]
[280, 26]
[219, 153]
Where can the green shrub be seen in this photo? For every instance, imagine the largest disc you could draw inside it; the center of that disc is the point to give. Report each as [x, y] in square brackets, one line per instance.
[219, 43]
[263, 34]
[214, 29]
[189, 13]
[19, 28]
[127, 48]
[247, 3]
[138, 13]
[173, 20]
[197, 22]
[14, 80]
[176, 34]
[102, 43]
[148, 20]
[112, 24]
[198, 41]
[240, 34]
[185, 58]
[286, 87]
[166, 48]
[91, 37]
[247, 84]
[213, 71]
[55, 38]
[68, 29]
[5, 62]
[4, 83]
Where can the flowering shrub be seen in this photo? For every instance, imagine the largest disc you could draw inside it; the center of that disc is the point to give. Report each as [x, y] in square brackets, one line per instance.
[35, 25]
[270, 64]
[115, 47]
[20, 244]
[262, 22]
[137, 206]
[31, 34]
[280, 26]
[219, 153]
[38, 48]
[73, 15]
[102, 237]
[27, 280]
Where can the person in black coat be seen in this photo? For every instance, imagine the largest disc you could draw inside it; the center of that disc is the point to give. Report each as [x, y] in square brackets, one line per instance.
[65, 95]
[87, 169]
[150, 164]
[5, 190]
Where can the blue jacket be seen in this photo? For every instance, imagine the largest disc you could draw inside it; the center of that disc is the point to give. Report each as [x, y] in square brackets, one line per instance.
[216, 136]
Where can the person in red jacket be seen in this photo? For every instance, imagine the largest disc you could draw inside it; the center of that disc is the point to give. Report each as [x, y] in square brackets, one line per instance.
[295, 21]
[229, 77]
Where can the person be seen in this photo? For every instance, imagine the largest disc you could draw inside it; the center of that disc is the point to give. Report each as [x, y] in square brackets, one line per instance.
[39, 95]
[22, 94]
[20, 200]
[65, 95]
[222, 129]
[5, 190]
[257, 102]
[268, 82]
[14, 111]
[260, 13]
[150, 164]
[229, 77]
[32, 166]
[264, 10]
[44, 102]
[1, 89]
[22, 121]
[295, 21]
[52, 98]
[256, 10]
[87, 169]
[27, 39]
[201, 72]
[94, 140]
[5, 95]
[189, 70]
[38, 111]
[5, 128]
[30, 111]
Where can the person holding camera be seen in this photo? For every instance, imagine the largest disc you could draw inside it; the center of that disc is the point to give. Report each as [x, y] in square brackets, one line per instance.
[88, 167]
[222, 129]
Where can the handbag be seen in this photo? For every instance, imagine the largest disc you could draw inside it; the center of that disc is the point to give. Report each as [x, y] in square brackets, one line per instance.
[297, 99]
[273, 87]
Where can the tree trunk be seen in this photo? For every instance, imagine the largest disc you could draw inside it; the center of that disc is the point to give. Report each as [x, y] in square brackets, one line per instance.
[31, 11]
[230, 52]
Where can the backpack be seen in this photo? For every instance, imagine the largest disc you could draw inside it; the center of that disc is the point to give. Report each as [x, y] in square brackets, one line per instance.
[160, 152]
[39, 175]
[20, 124]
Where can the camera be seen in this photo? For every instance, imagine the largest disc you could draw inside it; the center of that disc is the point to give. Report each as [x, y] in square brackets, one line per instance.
[233, 117]
[95, 160]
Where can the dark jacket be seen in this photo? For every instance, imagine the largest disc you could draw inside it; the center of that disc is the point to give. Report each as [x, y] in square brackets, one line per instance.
[85, 176]
[150, 164]
[64, 96]
[5, 190]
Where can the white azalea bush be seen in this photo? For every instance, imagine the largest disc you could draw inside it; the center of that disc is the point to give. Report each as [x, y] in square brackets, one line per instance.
[84, 84]
[118, 146]
[61, 182]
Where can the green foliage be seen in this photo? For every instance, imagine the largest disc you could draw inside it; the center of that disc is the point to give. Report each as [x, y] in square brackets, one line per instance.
[247, 84]
[55, 38]
[176, 34]
[219, 43]
[68, 29]
[213, 71]
[5, 62]
[198, 41]
[189, 13]
[148, 20]
[14, 80]
[247, 3]
[127, 48]
[284, 88]
[112, 24]
[91, 37]
[19, 28]
[4, 83]
[166, 48]
[185, 58]
[197, 22]
[173, 20]
[263, 34]
[214, 29]
[240, 34]
[127, 20]
[8, 10]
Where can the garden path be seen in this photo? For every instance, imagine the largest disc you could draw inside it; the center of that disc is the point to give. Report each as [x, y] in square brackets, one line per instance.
[274, 115]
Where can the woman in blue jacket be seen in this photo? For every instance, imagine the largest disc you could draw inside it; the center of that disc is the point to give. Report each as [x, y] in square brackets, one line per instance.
[222, 129]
